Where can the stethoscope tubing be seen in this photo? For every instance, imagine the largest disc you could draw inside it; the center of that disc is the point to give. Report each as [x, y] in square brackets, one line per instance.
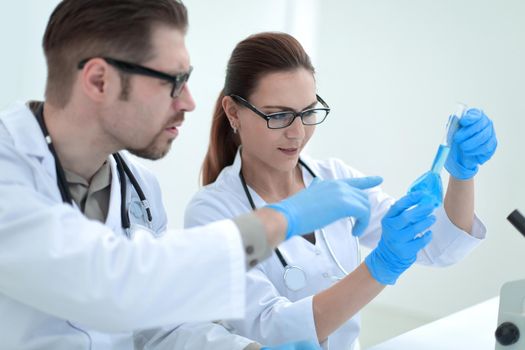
[122, 169]
[280, 256]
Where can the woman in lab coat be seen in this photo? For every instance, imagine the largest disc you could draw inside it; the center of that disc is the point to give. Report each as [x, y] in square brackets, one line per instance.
[314, 287]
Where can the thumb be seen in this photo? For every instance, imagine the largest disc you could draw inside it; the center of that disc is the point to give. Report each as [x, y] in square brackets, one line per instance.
[360, 225]
[364, 183]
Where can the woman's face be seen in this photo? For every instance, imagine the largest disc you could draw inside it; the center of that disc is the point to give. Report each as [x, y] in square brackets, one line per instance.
[278, 149]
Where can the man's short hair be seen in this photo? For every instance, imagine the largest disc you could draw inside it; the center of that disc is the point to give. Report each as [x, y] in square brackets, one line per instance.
[80, 29]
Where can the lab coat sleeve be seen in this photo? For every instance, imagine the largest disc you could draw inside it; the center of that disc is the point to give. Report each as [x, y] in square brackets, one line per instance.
[59, 262]
[450, 244]
[191, 336]
[271, 318]
[211, 204]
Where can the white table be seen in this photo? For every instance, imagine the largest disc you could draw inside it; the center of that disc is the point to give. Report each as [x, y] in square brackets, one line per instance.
[472, 328]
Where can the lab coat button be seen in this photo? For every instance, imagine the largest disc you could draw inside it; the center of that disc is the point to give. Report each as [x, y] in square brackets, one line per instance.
[325, 275]
[317, 252]
[253, 262]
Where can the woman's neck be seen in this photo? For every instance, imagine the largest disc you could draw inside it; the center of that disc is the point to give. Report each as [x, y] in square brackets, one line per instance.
[271, 184]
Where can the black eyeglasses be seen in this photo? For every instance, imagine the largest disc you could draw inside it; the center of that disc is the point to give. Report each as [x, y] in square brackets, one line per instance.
[279, 120]
[177, 80]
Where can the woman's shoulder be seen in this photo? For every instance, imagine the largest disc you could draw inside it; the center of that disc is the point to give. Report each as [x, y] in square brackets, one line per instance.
[218, 200]
[221, 190]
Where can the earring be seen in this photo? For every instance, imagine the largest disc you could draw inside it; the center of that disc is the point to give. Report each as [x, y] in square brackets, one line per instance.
[234, 129]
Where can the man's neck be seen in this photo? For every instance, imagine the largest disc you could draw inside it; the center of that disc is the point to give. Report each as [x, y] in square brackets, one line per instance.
[78, 141]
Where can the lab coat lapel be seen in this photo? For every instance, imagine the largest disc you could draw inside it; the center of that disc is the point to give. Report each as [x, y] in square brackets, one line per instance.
[27, 136]
[113, 219]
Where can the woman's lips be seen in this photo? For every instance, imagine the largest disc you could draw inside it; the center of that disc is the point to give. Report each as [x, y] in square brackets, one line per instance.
[289, 151]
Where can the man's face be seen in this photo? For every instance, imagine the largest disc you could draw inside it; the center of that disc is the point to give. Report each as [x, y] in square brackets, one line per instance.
[148, 120]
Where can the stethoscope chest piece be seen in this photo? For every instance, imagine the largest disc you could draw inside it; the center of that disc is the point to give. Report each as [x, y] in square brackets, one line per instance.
[294, 278]
[137, 211]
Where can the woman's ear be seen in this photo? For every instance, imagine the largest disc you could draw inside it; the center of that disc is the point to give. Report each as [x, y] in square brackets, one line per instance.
[231, 109]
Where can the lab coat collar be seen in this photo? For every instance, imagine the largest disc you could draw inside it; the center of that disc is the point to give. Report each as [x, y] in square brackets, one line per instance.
[237, 162]
[23, 127]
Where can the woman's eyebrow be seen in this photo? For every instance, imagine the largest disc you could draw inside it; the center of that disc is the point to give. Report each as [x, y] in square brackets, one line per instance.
[286, 108]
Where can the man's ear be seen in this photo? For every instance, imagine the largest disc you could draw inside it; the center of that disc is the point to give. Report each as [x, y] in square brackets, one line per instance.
[97, 80]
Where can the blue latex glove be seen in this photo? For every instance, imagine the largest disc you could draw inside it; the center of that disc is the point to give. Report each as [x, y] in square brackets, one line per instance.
[473, 144]
[326, 201]
[430, 183]
[302, 345]
[401, 240]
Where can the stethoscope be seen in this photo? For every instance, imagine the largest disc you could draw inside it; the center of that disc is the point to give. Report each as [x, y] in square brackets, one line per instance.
[294, 276]
[122, 169]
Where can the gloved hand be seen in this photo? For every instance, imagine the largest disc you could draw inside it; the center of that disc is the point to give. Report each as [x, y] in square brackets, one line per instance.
[324, 202]
[473, 144]
[430, 183]
[302, 345]
[398, 247]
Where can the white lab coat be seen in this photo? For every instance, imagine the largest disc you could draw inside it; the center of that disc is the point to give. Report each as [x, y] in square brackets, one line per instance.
[274, 313]
[192, 336]
[67, 282]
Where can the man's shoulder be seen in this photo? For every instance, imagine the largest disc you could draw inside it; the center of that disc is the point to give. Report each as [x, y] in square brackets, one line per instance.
[9, 116]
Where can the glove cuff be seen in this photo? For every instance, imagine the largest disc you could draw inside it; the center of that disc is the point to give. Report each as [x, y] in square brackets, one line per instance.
[460, 172]
[289, 219]
[385, 266]
[377, 270]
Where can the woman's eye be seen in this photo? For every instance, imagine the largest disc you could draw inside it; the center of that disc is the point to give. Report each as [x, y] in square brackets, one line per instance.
[309, 114]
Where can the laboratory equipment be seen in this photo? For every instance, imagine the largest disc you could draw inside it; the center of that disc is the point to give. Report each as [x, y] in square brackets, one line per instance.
[511, 317]
[430, 182]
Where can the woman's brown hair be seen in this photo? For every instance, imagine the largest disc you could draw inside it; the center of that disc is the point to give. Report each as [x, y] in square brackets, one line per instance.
[252, 58]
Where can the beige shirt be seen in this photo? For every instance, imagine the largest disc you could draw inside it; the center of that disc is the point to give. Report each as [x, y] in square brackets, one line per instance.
[92, 197]
[93, 200]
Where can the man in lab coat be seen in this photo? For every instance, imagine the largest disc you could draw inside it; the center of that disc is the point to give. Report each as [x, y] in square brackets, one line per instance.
[86, 259]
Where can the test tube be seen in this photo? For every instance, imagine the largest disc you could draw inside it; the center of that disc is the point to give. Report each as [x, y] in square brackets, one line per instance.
[453, 123]
[444, 147]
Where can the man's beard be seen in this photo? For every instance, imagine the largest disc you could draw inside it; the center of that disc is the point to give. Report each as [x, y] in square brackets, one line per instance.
[153, 151]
